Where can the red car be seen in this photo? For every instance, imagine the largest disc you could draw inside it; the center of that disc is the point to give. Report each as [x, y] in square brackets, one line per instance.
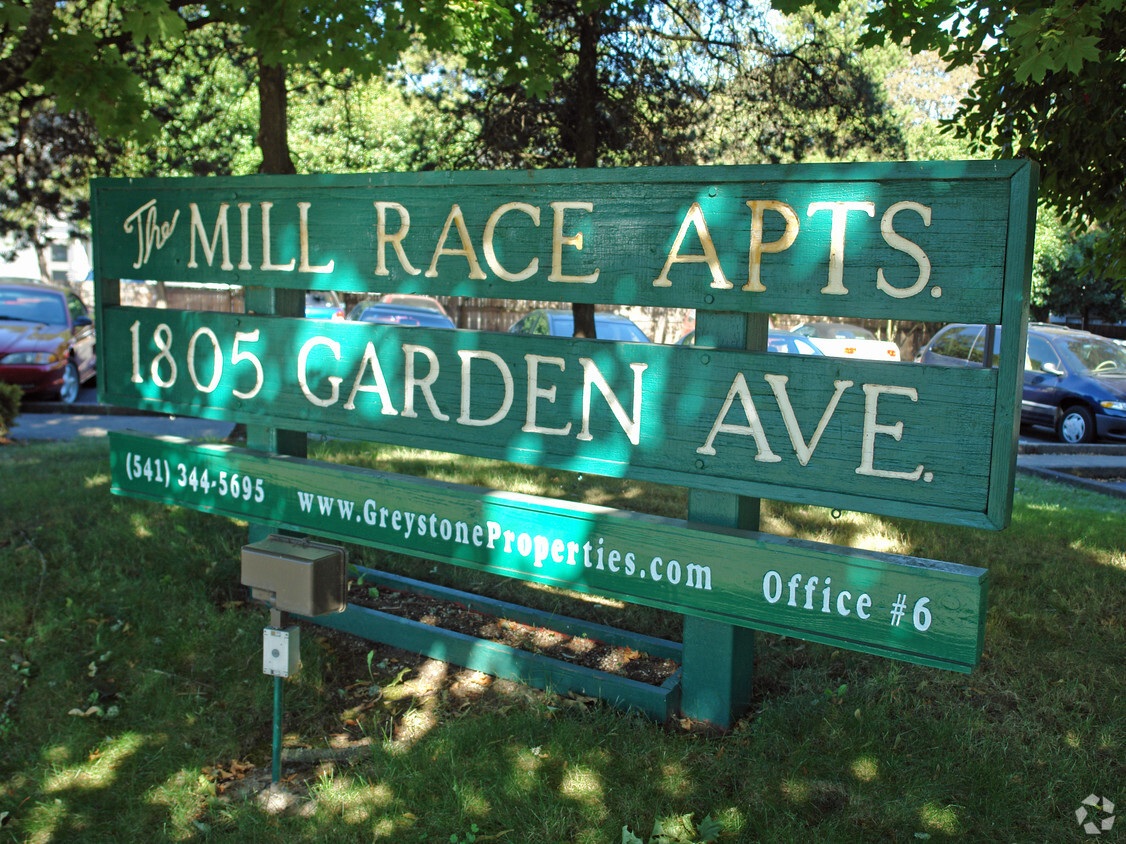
[46, 339]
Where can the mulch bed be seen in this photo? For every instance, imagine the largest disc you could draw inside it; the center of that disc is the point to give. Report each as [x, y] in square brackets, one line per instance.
[576, 650]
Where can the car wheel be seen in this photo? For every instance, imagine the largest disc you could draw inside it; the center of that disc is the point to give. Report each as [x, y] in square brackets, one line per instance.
[1076, 425]
[68, 392]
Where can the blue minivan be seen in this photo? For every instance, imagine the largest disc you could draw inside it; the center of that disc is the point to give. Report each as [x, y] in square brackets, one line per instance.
[1074, 381]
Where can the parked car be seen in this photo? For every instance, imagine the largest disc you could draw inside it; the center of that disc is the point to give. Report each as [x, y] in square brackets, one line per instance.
[840, 339]
[1074, 381]
[785, 342]
[414, 300]
[323, 304]
[47, 342]
[404, 315]
[558, 322]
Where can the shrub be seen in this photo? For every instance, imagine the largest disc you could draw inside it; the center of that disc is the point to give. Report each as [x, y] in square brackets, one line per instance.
[10, 396]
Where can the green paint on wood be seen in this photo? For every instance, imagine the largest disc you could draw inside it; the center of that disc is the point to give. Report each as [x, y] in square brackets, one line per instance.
[917, 610]
[926, 241]
[895, 439]
[719, 658]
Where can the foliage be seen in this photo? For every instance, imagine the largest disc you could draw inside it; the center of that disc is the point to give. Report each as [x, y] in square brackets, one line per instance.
[678, 831]
[630, 82]
[1074, 284]
[813, 97]
[10, 397]
[138, 605]
[80, 81]
[1050, 78]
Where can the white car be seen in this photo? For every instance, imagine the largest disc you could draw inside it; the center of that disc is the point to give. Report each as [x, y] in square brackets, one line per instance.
[839, 339]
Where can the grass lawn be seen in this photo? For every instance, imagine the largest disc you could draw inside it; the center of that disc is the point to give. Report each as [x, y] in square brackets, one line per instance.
[133, 706]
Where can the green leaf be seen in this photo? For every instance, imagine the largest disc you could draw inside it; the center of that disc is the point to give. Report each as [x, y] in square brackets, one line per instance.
[629, 838]
[709, 830]
[154, 22]
[1082, 50]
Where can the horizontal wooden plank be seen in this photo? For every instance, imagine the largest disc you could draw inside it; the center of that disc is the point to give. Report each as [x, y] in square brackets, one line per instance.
[921, 240]
[661, 648]
[918, 610]
[499, 660]
[890, 438]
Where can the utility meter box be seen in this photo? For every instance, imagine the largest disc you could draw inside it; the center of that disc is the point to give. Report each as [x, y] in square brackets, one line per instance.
[296, 575]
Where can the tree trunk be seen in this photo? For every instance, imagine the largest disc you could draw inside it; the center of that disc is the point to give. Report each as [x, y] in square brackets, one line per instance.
[41, 256]
[586, 136]
[273, 136]
[273, 142]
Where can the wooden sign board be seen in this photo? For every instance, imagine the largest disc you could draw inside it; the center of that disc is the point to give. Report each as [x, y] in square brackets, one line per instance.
[921, 611]
[909, 241]
[900, 240]
[893, 439]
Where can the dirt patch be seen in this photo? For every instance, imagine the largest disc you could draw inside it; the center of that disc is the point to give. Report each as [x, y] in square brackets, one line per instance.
[575, 650]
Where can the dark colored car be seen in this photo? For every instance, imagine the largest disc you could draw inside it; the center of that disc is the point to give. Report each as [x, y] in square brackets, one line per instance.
[557, 322]
[399, 315]
[1074, 381]
[785, 342]
[47, 343]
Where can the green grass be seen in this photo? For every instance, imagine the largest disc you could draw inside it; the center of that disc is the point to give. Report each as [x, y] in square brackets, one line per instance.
[131, 614]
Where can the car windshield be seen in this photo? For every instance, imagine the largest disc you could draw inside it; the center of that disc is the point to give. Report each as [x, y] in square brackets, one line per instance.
[29, 306]
[1096, 355]
[563, 325]
[836, 331]
[791, 344]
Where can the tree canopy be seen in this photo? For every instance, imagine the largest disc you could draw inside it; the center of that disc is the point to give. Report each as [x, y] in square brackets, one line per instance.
[1051, 87]
[79, 80]
[1071, 287]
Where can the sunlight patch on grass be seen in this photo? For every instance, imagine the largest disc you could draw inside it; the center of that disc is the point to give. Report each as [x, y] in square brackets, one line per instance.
[527, 765]
[341, 792]
[675, 780]
[57, 755]
[865, 769]
[879, 538]
[96, 480]
[941, 818]
[356, 813]
[796, 791]
[43, 819]
[733, 821]
[102, 767]
[1117, 559]
[140, 525]
[182, 794]
[583, 785]
[471, 800]
[387, 829]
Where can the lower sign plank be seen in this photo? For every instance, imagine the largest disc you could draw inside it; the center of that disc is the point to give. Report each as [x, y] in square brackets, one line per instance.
[917, 610]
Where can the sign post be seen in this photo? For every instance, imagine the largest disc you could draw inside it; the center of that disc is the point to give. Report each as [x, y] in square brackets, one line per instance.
[938, 242]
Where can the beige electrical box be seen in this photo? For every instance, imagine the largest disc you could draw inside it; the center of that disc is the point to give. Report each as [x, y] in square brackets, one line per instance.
[295, 575]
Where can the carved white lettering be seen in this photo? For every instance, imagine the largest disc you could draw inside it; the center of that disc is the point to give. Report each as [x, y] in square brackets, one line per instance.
[695, 219]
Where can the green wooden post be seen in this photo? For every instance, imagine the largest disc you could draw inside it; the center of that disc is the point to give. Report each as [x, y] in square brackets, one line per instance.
[283, 302]
[937, 242]
[718, 662]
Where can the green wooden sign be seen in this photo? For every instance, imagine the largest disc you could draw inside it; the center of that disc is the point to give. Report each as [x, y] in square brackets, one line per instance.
[893, 439]
[916, 610]
[939, 242]
[923, 241]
